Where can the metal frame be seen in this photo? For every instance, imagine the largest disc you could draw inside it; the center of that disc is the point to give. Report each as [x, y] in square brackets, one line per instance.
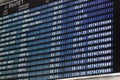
[7, 2]
[113, 76]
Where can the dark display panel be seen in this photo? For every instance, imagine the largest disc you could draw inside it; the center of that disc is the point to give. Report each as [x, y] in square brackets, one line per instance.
[54, 39]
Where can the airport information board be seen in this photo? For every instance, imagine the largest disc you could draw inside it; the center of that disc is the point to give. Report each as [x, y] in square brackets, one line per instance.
[54, 39]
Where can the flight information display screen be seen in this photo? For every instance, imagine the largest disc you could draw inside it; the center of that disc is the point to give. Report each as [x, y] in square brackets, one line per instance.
[55, 39]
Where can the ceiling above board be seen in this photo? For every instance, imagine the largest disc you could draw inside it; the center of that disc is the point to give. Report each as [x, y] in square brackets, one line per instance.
[4, 1]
